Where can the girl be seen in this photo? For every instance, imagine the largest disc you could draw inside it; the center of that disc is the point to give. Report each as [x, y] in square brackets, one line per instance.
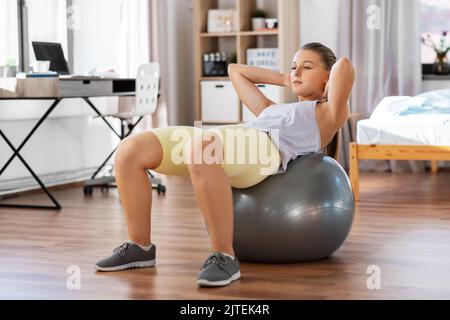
[280, 133]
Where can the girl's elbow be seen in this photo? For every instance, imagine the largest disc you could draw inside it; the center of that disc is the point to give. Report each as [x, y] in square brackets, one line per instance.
[345, 61]
[344, 64]
[232, 67]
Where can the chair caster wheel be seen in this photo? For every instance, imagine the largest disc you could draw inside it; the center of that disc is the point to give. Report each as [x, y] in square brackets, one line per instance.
[161, 189]
[87, 191]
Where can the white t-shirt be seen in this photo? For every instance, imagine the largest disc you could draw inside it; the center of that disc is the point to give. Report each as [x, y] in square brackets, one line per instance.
[298, 130]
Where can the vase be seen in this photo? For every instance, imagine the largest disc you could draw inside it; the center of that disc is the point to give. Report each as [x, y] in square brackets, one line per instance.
[441, 64]
[258, 23]
[9, 71]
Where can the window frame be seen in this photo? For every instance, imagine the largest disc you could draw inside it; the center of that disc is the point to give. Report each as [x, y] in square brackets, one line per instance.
[23, 37]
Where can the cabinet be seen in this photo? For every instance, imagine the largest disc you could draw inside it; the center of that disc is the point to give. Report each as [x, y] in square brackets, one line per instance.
[220, 102]
[273, 93]
[210, 100]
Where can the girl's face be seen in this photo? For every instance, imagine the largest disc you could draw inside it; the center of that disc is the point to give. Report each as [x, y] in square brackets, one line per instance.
[308, 75]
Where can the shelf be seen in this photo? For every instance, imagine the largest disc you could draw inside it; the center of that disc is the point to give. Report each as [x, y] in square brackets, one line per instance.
[242, 33]
[217, 34]
[436, 77]
[220, 123]
[259, 33]
[214, 79]
[286, 38]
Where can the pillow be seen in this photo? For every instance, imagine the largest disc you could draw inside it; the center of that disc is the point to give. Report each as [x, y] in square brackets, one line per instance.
[389, 106]
[437, 98]
[427, 103]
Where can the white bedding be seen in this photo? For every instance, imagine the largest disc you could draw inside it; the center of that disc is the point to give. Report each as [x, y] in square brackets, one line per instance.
[419, 120]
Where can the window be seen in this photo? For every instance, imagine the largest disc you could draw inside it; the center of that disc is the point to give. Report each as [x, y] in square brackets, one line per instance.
[47, 22]
[435, 18]
[9, 33]
[116, 30]
[42, 20]
[98, 31]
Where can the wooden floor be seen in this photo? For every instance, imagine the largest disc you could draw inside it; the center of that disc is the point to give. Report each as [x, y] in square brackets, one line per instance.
[402, 226]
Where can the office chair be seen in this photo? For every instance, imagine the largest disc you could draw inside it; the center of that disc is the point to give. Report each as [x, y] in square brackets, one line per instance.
[147, 93]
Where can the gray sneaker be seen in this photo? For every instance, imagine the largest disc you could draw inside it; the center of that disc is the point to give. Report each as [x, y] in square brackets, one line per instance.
[219, 270]
[129, 255]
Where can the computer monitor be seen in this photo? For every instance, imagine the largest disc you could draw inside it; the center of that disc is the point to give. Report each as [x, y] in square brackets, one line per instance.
[53, 52]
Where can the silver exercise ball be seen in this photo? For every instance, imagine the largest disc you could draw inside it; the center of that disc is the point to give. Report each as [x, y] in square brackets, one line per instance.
[304, 214]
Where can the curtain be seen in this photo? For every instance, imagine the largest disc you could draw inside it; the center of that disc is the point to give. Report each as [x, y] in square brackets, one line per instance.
[46, 21]
[382, 38]
[9, 34]
[134, 33]
[141, 23]
[159, 52]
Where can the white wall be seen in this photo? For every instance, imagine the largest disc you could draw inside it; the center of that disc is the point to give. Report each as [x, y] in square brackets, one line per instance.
[62, 143]
[181, 65]
[96, 39]
[428, 85]
[319, 22]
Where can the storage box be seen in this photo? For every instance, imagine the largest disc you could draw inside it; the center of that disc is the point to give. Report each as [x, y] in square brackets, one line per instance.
[222, 20]
[215, 68]
[220, 103]
[29, 87]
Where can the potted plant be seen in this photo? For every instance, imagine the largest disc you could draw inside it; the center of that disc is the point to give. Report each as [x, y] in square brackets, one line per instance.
[10, 69]
[441, 64]
[233, 57]
[259, 19]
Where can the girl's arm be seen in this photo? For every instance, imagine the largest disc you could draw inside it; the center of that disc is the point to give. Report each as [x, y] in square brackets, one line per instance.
[340, 85]
[245, 77]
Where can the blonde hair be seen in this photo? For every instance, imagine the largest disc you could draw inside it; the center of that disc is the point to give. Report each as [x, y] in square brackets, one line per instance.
[326, 54]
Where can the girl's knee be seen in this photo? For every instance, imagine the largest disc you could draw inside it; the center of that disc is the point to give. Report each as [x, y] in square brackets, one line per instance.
[126, 152]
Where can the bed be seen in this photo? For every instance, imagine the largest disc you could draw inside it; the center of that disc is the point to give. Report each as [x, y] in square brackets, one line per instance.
[404, 128]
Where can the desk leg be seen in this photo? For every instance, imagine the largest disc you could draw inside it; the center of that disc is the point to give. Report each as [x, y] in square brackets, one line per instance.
[101, 182]
[89, 102]
[121, 136]
[16, 152]
[38, 124]
[354, 170]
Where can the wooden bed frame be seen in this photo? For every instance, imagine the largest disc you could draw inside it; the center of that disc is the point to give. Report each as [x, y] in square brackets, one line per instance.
[392, 152]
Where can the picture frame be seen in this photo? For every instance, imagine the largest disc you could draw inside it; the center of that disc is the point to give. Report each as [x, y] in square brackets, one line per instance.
[263, 58]
[222, 20]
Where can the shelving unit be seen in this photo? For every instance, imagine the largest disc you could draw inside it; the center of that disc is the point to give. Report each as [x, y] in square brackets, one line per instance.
[286, 38]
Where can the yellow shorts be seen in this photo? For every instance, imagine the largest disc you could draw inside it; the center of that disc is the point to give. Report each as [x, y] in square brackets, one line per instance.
[249, 155]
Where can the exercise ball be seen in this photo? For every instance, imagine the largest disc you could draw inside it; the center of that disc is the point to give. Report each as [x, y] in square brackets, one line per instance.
[302, 215]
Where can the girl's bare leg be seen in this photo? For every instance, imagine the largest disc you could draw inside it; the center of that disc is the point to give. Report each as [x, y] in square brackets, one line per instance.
[214, 196]
[134, 155]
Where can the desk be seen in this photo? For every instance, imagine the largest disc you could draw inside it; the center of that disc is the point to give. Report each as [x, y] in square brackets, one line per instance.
[70, 88]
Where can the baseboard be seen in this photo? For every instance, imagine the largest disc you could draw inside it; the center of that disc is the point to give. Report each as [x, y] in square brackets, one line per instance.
[54, 181]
